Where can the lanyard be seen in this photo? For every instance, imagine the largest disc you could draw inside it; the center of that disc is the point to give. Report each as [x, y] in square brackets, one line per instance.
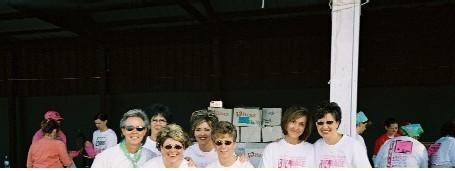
[136, 156]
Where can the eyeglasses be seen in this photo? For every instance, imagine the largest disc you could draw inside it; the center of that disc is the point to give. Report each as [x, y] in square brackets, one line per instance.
[219, 142]
[169, 146]
[131, 128]
[159, 120]
[320, 123]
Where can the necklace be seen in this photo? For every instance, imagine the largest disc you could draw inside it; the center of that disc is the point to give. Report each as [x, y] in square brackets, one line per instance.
[136, 156]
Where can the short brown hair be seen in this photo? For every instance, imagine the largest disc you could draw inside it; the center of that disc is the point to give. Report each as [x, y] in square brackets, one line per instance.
[293, 113]
[223, 128]
[200, 116]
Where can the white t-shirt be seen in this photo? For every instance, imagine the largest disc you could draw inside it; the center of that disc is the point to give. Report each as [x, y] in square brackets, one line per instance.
[201, 159]
[402, 151]
[157, 162]
[151, 145]
[236, 164]
[359, 138]
[281, 154]
[114, 158]
[104, 140]
[444, 156]
[347, 152]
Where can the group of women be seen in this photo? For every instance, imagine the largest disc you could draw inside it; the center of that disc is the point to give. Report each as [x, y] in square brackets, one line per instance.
[168, 146]
[331, 150]
[215, 143]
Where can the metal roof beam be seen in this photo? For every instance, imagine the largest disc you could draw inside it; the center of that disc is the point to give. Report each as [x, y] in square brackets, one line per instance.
[192, 11]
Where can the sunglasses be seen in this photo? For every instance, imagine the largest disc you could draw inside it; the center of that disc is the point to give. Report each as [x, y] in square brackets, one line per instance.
[320, 123]
[131, 128]
[219, 142]
[203, 113]
[169, 146]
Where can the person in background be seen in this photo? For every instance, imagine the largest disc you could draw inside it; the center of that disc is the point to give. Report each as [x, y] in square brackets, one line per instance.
[129, 152]
[403, 151]
[293, 151]
[85, 153]
[361, 124]
[48, 152]
[335, 149]
[443, 150]
[160, 116]
[391, 128]
[203, 152]
[50, 115]
[223, 136]
[104, 137]
[171, 142]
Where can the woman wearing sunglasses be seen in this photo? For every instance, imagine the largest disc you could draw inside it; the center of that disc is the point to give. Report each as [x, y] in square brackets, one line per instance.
[335, 149]
[159, 116]
[171, 142]
[293, 151]
[223, 136]
[203, 152]
[129, 152]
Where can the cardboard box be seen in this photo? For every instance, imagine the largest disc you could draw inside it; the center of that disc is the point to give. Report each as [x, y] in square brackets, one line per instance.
[222, 114]
[247, 117]
[218, 104]
[238, 134]
[240, 148]
[271, 133]
[250, 134]
[254, 151]
[271, 116]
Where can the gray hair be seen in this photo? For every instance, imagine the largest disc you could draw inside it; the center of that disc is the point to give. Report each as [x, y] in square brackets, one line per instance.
[134, 113]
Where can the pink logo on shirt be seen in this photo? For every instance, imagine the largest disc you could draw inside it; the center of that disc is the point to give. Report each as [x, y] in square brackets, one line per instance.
[433, 149]
[330, 163]
[289, 163]
[403, 147]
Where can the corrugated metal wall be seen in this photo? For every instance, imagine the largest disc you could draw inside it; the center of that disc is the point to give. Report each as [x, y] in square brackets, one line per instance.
[408, 47]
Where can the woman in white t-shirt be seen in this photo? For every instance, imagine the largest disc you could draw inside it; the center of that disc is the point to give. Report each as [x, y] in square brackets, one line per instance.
[172, 141]
[104, 137]
[403, 151]
[203, 151]
[160, 116]
[223, 136]
[129, 152]
[293, 151]
[335, 149]
[444, 147]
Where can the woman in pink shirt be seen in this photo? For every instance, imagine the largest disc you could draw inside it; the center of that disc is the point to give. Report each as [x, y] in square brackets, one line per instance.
[48, 152]
[50, 115]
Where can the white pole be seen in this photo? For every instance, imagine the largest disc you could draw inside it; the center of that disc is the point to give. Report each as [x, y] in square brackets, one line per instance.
[344, 60]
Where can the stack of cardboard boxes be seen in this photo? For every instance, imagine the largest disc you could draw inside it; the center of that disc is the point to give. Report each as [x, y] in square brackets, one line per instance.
[255, 128]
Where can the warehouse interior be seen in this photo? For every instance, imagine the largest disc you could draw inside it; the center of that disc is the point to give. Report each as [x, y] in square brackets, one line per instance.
[80, 57]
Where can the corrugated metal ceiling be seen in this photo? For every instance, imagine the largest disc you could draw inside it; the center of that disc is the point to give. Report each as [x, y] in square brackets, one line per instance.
[41, 19]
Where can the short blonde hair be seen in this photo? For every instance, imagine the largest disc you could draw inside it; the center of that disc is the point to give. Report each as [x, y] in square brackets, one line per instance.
[174, 132]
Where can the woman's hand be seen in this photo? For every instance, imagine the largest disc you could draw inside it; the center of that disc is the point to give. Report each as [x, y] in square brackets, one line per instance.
[190, 162]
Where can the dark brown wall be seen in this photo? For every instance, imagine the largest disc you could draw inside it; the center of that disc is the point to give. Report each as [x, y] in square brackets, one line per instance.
[406, 54]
